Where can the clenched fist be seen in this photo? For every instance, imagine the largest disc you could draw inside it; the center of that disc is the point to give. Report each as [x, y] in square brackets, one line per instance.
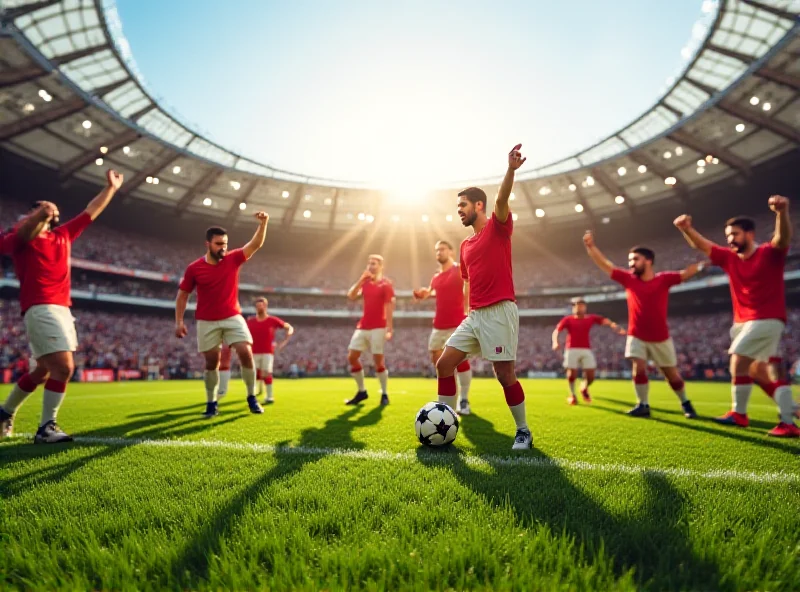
[683, 222]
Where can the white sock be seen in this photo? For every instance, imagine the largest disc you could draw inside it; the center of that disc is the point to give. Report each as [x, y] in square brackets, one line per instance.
[571, 387]
[464, 380]
[681, 394]
[224, 379]
[383, 378]
[359, 378]
[269, 392]
[740, 394]
[50, 404]
[211, 378]
[783, 397]
[518, 411]
[449, 400]
[249, 379]
[643, 393]
[15, 398]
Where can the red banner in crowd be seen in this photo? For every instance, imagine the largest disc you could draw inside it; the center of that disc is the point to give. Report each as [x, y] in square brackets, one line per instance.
[98, 375]
[7, 375]
[129, 374]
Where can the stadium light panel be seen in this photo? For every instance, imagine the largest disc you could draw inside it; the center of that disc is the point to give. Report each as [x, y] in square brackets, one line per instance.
[207, 201]
[28, 108]
[284, 194]
[701, 170]
[149, 180]
[362, 216]
[578, 208]
[678, 151]
[155, 180]
[328, 201]
[425, 217]
[126, 149]
[619, 199]
[642, 188]
[99, 162]
[573, 187]
[514, 216]
[701, 163]
[739, 127]
[766, 106]
[512, 197]
[622, 171]
[754, 101]
[176, 170]
[642, 169]
[103, 149]
[606, 220]
[539, 213]
[715, 160]
[87, 124]
[670, 181]
[307, 214]
[449, 217]
[370, 218]
[590, 181]
[242, 206]
[667, 155]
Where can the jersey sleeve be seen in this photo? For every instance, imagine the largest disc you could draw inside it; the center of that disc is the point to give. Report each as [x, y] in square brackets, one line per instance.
[462, 264]
[507, 227]
[776, 254]
[671, 278]
[562, 324]
[238, 257]
[75, 227]
[388, 292]
[280, 323]
[187, 281]
[720, 256]
[8, 243]
[621, 277]
[599, 320]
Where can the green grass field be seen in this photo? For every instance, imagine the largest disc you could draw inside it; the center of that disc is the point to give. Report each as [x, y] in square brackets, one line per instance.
[314, 495]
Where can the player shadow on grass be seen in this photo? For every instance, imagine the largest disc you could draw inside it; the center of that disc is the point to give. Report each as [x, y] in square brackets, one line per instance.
[191, 565]
[652, 540]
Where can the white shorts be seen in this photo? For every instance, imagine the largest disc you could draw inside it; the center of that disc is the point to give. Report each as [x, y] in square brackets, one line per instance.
[212, 334]
[51, 329]
[759, 340]
[579, 357]
[661, 353]
[264, 362]
[492, 332]
[438, 338]
[371, 340]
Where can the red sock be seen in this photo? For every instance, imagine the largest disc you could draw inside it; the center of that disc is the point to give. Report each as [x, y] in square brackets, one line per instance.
[640, 379]
[447, 386]
[514, 394]
[268, 379]
[55, 386]
[356, 368]
[27, 383]
[770, 387]
[464, 366]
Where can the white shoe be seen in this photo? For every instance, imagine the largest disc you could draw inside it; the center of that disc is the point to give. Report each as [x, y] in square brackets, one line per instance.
[6, 424]
[523, 440]
[50, 433]
[463, 407]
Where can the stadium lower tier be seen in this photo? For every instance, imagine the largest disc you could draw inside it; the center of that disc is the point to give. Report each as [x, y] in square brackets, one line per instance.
[146, 342]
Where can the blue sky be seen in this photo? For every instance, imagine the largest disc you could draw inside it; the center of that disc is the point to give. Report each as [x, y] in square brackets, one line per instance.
[407, 93]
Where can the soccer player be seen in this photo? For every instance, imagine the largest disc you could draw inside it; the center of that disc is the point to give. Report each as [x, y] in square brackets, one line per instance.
[447, 286]
[225, 356]
[262, 328]
[759, 308]
[374, 329]
[492, 326]
[648, 333]
[40, 249]
[219, 315]
[578, 351]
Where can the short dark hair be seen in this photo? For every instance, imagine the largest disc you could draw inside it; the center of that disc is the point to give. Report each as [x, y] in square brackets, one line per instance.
[648, 254]
[445, 243]
[745, 223]
[215, 231]
[474, 195]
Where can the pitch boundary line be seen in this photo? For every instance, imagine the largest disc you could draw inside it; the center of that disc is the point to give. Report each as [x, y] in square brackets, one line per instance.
[443, 458]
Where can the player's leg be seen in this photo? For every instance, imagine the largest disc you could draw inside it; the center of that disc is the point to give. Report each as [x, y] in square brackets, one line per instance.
[24, 388]
[377, 345]
[589, 364]
[224, 371]
[446, 367]
[506, 375]
[572, 377]
[678, 386]
[266, 371]
[359, 342]
[636, 352]
[259, 363]
[244, 351]
[60, 367]
[211, 380]
[464, 374]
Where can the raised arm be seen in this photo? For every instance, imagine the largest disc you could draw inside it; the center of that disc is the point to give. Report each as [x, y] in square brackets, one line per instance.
[33, 224]
[515, 161]
[595, 255]
[783, 226]
[258, 238]
[691, 271]
[180, 309]
[694, 238]
[355, 290]
[102, 199]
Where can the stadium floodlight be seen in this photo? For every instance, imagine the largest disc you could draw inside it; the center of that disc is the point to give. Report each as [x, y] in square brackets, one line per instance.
[622, 171]
[514, 216]
[449, 217]
[370, 218]
[28, 108]
[670, 181]
[701, 170]
[619, 199]
[284, 194]
[149, 180]
[539, 213]
[103, 149]
[590, 180]
[766, 106]
[307, 197]
[242, 206]
[170, 190]
[207, 202]
[512, 197]
[701, 163]
[176, 170]
[544, 191]
[642, 188]
[328, 201]
[642, 169]
[99, 162]
[715, 160]
[362, 216]
[45, 96]
[667, 155]
[425, 217]
[126, 149]
[573, 187]
[709, 158]
[754, 101]
[307, 214]
[606, 220]
[155, 180]
[235, 185]
[739, 127]
[87, 124]
[678, 151]
[578, 208]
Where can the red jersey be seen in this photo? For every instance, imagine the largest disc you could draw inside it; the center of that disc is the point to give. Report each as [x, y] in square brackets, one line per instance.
[43, 263]
[263, 332]
[376, 295]
[449, 287]
[578, 329]
[486, 263]
[757, 287]
[217, 286]
[647, 303]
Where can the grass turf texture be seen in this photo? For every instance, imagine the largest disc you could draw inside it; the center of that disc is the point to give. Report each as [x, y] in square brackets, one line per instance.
[272, 502]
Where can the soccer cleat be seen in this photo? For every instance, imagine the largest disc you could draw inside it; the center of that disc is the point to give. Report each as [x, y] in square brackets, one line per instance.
[572, 400]
[252, 402]
[269, 401]
[211, 410]
[360, 397]
[586, 396]
[50, 433]
[523, 440]
[6, 424]
[641, 410]
[463, 407]
[785, 430]
[688, 410]
[732, 418]
[384, 399]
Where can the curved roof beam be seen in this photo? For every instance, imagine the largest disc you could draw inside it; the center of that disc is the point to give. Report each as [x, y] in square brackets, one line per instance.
[205, 182]
[289, 214]
[776, 126]
[613, 188]
[709, 147]
[653, 165]
[231, 215]
[71, 167]
[167, 157]
[25, 124]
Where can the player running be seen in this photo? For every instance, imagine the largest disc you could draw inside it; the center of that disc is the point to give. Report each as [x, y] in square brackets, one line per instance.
[40, 249]
[492, 327]
[374, 329]
[262, 328]
[219, 315]
[578, 350]
[759, 308]
[648, 333]
[447, 286]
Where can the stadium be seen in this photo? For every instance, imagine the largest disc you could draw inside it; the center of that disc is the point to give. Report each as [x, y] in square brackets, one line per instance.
[313, 494]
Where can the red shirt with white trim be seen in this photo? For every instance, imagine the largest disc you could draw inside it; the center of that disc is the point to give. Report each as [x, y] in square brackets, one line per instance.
[376, 295]
[449, 287]
[578, 329]
[217, 286]
[647, 303]
[486, 263]
[263, 332]
[757, 286]
[43, 264]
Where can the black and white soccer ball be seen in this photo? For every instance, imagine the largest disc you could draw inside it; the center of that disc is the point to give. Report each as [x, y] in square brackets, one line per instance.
[436, 424]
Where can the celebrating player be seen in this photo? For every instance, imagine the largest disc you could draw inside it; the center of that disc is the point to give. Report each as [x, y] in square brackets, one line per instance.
[447, 286]
[759, 308]
[648, 332]
[40, 250]
[374, 329]
[218, 314]
[578, 351]
[492, 327]
[262, 328]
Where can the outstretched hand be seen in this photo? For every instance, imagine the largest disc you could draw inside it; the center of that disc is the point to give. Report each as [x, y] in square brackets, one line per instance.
[778, 203]
[515, 159]
[114, 178]
[588, 239]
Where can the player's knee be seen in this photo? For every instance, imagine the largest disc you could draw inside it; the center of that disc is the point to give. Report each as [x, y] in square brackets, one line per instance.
[505, 376]
[445, 367]
[353, 357]
[61, 370]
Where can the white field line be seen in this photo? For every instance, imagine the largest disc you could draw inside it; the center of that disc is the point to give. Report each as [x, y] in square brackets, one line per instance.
[443, 458]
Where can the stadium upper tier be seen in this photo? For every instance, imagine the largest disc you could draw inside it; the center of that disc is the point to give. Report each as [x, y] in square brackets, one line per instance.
[71, 98]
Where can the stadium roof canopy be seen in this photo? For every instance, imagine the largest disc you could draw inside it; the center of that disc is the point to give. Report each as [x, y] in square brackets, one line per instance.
[71, 98]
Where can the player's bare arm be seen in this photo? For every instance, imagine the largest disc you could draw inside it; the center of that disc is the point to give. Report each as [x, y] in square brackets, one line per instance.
[180, 310]
[389, 308]
[289, 332]
[355, 290]
[422, 294]
[614, 327]
[692, 270]
[515, 160]
[595, 255]
[556, 333]
[694, 238]
[33, 225]
[783, 226]
[102, 199]
[257, 241]
[466, 297]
